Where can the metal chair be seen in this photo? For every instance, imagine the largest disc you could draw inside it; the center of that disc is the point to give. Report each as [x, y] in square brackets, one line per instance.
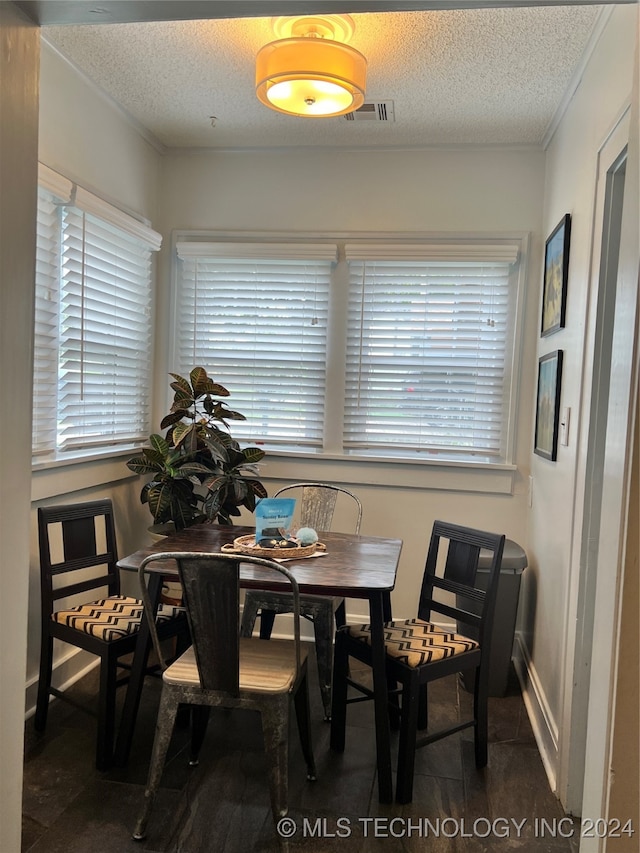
[223, 670]
[316, 509]
[76, 540]
[419, 651]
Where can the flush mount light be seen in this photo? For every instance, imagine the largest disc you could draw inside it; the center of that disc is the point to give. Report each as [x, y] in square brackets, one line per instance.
[310, 71]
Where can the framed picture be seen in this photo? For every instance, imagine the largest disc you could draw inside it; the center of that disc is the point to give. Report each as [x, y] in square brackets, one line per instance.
[556, 269]
[548, 405]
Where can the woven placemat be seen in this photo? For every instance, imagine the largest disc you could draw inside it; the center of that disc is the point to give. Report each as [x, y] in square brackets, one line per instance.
[247, 545]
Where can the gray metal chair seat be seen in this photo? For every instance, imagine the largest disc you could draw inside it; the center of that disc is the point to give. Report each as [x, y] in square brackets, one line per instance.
[317, 509]
[223, 670]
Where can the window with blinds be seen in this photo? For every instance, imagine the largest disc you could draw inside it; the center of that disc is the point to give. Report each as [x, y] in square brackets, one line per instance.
[430, 349]
[93, 328]
[359, 346]
[45, 348]
[255, 315]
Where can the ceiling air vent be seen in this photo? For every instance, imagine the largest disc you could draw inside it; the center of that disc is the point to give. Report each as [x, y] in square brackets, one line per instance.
[374, 111]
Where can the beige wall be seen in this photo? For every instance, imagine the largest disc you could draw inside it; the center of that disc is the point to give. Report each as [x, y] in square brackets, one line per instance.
[19, 56]
[440, 190]
[551, 584]
[84, 137]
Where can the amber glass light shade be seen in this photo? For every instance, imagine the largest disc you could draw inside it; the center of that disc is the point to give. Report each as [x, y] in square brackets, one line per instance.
[310, 77]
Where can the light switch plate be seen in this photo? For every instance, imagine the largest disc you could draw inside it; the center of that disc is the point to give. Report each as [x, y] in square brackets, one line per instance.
[564, 426]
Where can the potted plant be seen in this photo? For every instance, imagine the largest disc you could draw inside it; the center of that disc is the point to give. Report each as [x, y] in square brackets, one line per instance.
[199, 471]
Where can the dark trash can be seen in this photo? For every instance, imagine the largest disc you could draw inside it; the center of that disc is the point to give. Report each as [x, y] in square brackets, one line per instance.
[514, 562]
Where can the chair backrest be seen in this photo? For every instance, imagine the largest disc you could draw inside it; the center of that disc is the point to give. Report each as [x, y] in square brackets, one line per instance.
[317, 505]
[474, 605]
[84, 536]
[211, 596]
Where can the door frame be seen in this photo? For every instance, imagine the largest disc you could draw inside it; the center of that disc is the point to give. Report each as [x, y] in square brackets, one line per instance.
[591, 469]
[614, 523]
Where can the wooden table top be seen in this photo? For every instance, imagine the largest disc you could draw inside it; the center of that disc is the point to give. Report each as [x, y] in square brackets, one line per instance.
[353, 566]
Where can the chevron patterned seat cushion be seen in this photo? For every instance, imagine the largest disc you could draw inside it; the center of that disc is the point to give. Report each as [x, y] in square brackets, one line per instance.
[110, 618]
[414, 642]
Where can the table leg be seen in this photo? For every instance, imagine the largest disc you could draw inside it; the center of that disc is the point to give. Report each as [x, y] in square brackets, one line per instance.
[378, 608]
[136, 678]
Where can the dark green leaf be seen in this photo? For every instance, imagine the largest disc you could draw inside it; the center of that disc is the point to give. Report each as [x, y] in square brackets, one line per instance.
[172, 418]
[257, 488]
[240, 490]
[182, 403]
[220, 437]
[153, 457]
[141, 465]
[217, 451]
[180, 384]
[192, 469]
[180, 432]
[253, 454]
[159, 444]
[199, 381]
[250, 501]
[230, 415]
[159, 500]
[182, 514]
[218, 390]
[215, 483]
[236, 457]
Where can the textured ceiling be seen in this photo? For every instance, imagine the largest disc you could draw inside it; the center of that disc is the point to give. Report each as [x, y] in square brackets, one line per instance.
[482, 76]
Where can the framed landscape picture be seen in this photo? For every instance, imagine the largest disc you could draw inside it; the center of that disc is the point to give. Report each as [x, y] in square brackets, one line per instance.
[556, 269]
[548, 405]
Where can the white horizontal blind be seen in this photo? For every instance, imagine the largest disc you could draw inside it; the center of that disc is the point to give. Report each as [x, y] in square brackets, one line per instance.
[255, 316]
[428, 351]
[45, 349]
[105, 333]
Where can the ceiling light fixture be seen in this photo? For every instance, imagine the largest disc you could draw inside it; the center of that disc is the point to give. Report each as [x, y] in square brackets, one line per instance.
[310, 71]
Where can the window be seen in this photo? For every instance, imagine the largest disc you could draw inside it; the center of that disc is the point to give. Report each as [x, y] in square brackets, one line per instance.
[420, 339]
[93, 328]
[429, 345]
[256, 316]
[47, 291]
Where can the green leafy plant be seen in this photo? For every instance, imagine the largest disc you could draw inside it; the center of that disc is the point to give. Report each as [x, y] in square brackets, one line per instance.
[199, 471]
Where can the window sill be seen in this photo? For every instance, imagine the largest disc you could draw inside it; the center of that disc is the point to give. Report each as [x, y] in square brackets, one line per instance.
[82, 470]
[455, 476]
[78, 470]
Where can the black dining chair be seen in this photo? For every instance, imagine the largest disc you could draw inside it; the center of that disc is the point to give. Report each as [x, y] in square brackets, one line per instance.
[316, 509]
[420, 650]
[225, 670]
[78, 557]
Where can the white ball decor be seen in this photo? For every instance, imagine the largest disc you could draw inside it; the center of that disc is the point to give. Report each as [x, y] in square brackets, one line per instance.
[306, 536]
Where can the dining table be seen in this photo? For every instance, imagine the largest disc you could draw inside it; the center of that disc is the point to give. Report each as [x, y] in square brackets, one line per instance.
[350, 566]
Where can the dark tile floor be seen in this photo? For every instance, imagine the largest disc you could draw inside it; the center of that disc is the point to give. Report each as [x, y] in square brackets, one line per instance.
[223, 805]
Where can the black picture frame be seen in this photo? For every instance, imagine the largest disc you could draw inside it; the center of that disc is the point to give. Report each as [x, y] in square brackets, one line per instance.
[548, 405]
[556, 273]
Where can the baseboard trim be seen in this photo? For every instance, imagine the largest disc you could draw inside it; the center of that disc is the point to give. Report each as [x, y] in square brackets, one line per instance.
[67, 669]
[545, 729]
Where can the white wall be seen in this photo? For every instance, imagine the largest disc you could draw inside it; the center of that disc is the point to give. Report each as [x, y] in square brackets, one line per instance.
[435, 189]
[19, 56]
[84, 137]
[429, 190]
[550, 584]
